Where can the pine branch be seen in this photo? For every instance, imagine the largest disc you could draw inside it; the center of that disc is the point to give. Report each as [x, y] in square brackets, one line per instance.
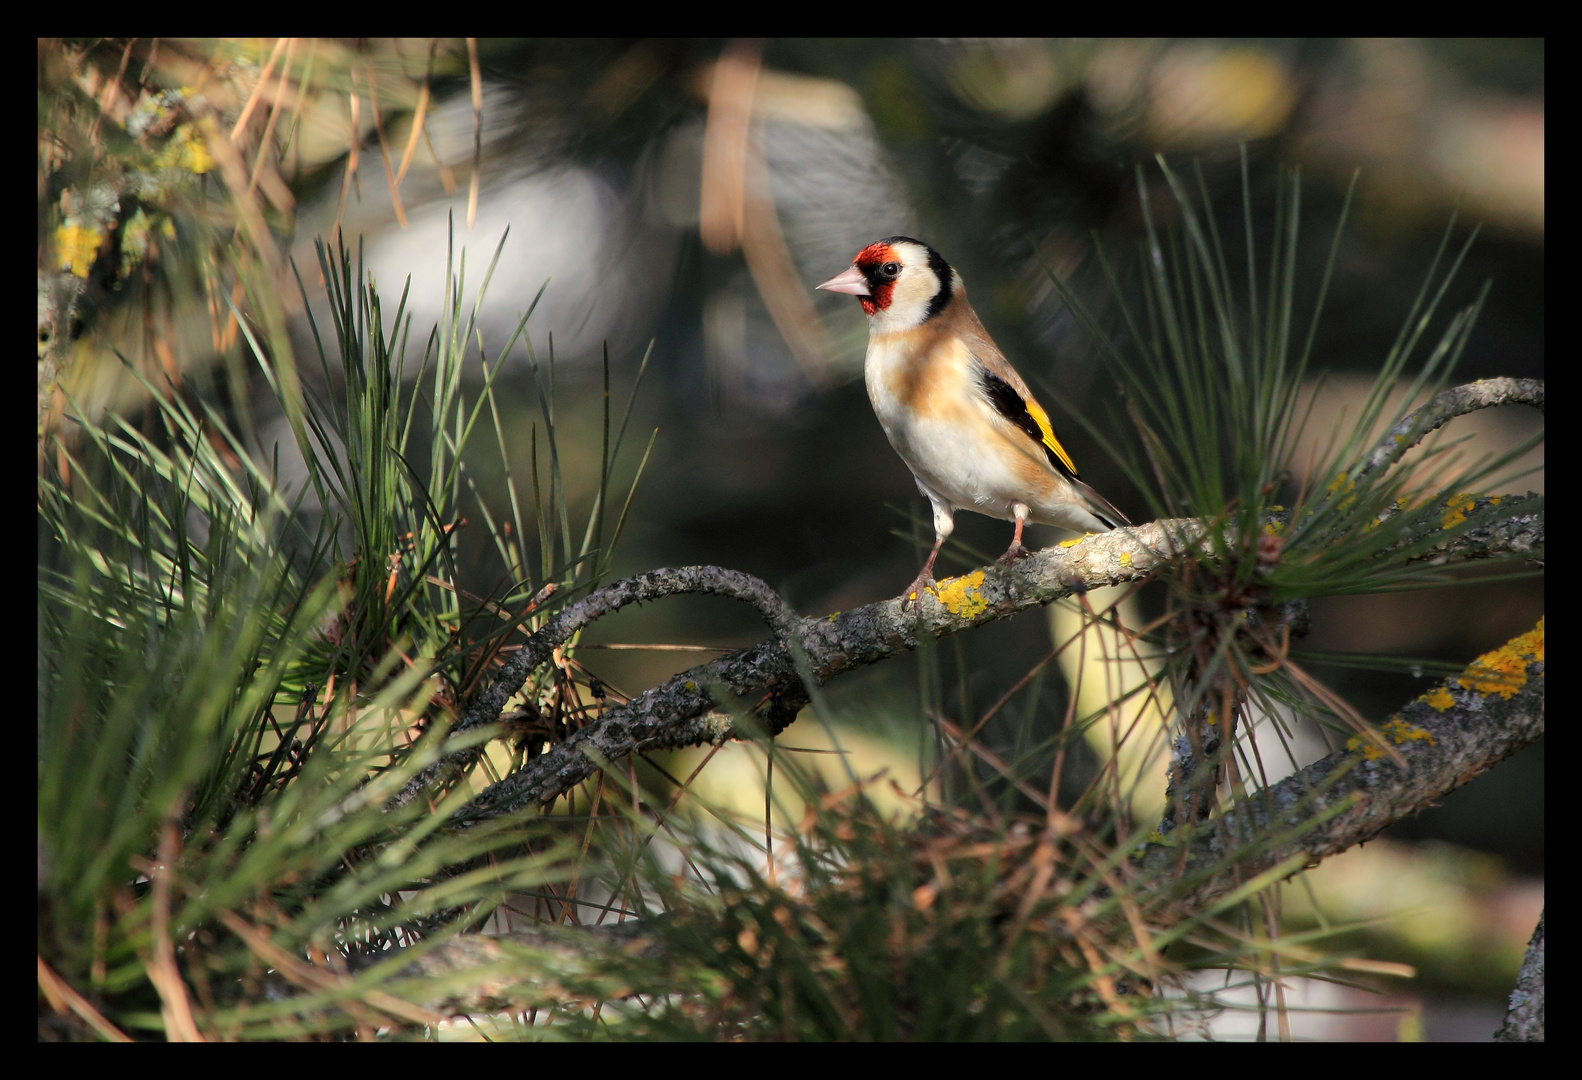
[762, 687]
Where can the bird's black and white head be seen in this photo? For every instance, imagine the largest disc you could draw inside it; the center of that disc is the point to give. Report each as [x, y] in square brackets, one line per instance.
[900, 282]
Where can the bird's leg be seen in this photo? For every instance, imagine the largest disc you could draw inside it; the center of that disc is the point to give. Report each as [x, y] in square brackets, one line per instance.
[1016, 550]
[944, 525]
[913, 594]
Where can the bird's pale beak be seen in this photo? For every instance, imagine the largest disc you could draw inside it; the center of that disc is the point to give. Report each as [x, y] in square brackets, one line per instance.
[849, 280]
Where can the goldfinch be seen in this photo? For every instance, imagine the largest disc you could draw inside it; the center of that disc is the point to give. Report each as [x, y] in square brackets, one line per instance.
[955, 410]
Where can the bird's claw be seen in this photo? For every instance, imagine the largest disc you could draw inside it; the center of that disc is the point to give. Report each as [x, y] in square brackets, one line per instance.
[913, 593]
[1014, 552]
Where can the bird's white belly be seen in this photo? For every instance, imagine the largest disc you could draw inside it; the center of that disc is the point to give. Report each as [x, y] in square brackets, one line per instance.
[945, 453]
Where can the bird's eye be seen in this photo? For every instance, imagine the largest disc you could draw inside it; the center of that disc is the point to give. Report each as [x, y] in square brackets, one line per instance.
[890, 269]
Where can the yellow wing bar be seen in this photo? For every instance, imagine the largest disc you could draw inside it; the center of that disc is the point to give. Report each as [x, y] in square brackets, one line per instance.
[1028, 415]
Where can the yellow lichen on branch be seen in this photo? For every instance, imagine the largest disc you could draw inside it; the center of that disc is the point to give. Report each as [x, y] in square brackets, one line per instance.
[1397, 731]
[1504, 670]
[963, 596]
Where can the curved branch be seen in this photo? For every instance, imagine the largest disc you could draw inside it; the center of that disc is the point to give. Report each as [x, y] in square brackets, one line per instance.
[1446, 406]
[708, 580]
[685, 580]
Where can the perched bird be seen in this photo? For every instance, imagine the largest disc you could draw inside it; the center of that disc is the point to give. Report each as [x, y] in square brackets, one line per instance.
[955, 410]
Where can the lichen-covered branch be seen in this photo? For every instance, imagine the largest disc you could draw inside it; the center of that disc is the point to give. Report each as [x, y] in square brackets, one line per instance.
[1443, 738]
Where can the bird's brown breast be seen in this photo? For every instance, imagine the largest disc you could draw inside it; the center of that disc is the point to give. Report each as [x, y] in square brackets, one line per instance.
[921, 370]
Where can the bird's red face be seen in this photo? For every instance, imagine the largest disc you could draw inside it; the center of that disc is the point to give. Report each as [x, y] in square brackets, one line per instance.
[870, 277]
[880, 266]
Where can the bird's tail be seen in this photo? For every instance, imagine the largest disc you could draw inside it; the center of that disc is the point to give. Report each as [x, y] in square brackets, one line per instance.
[1101, 507]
